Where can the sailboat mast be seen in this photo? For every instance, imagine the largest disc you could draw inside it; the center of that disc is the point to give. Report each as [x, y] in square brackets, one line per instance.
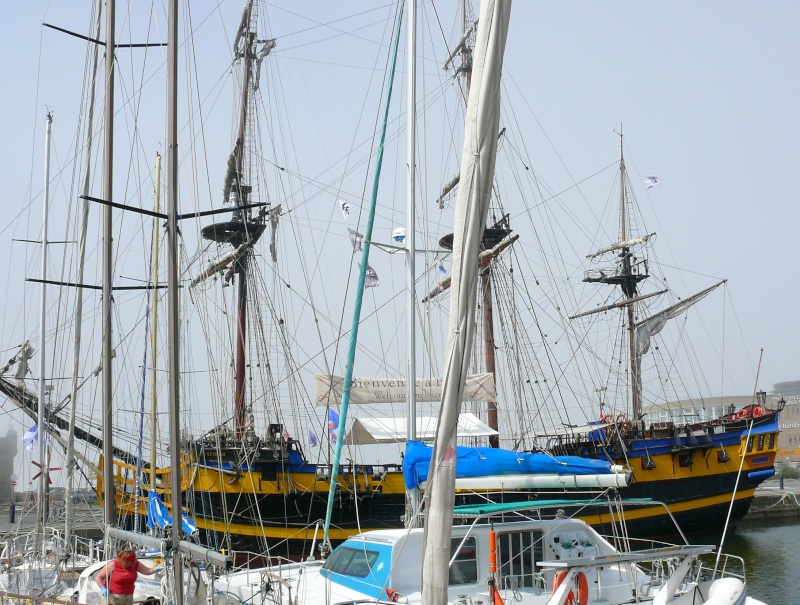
[44, 479]
[109, 490]
[172, 298]
[69, 505]
[411, 145]
[154, 323]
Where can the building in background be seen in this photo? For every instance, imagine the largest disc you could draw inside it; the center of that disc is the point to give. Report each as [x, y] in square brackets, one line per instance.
[701, 409]
[789, 438]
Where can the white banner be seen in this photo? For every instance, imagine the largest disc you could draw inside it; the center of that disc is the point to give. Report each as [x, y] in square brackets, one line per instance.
[328, 389]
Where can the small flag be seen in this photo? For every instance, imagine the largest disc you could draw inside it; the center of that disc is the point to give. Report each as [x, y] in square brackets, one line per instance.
[651, 181]
[441, 268]
[286, 435]
[345, 209]
[356, 239]
[333, 423]
[31, 438]
[312, 438]
[371, 278]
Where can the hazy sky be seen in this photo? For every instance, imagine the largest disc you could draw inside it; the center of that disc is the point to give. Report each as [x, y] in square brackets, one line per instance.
[706, 93]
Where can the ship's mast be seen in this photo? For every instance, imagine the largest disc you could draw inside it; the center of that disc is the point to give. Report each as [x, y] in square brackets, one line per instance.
[486, 274]
[241, 264]
[628, 285]
[243, 230]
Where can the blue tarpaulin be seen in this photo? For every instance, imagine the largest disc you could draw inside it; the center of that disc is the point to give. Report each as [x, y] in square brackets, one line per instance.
[487, 461]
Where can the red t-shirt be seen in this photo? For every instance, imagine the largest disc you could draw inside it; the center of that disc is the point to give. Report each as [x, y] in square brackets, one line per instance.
[121, 580]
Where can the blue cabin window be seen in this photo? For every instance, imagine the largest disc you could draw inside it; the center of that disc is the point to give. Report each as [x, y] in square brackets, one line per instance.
[355, 562]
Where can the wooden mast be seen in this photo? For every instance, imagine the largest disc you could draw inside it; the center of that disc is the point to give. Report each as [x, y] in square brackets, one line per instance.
[241, 263]
[486, 274]
[243, 228]
[628, 286]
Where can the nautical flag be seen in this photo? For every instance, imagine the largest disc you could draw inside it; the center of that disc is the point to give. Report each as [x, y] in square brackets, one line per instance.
[31, 438]
[371, 278]
[356, 239]
[442, 273]
[312, 438]
[651, 181]
[286, 435]
[333, 423]
[345, 209]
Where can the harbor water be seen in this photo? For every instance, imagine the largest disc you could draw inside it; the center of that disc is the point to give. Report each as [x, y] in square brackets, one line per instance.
[771, 555]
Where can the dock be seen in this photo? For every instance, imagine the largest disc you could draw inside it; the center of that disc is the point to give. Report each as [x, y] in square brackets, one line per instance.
[775, 503]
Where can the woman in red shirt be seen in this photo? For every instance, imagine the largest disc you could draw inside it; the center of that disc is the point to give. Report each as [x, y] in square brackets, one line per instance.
[117, 578]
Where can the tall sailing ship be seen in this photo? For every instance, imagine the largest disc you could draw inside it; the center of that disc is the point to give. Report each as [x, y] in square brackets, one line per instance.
[256, 481]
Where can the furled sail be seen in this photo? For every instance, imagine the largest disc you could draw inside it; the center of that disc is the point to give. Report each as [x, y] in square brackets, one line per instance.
[472, 205]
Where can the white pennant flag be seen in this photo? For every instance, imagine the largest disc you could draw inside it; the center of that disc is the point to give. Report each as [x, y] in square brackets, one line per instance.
[651, 181]
[356, 239]
[345, 209]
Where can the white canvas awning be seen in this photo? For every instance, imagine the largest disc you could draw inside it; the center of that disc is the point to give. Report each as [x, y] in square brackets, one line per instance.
[394, 430]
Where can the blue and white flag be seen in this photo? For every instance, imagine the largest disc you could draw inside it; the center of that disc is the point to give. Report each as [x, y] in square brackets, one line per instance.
[651, 181]
[333, 423]
[312, 438]
[31, 438]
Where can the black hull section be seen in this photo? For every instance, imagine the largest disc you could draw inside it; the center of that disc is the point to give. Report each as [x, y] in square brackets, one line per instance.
[698, 504]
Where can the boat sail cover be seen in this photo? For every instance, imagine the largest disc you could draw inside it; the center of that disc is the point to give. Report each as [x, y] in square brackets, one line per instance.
[487, 461]
[328, 389]
[395, 430]
[477, 174]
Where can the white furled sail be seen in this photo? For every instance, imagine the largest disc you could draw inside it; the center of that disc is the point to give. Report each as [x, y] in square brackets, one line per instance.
[621, 245]
[477, 174]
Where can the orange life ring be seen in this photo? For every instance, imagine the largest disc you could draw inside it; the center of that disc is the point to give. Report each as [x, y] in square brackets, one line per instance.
[583, 587]
[758, 411]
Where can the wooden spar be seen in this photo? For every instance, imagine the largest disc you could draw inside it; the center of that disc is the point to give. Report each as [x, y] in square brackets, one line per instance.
[483, 261]
[625, 303]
